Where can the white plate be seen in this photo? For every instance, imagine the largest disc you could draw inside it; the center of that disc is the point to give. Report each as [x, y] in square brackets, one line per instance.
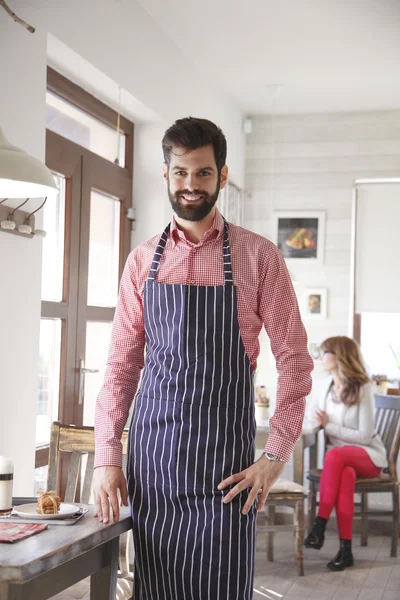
[28, 511]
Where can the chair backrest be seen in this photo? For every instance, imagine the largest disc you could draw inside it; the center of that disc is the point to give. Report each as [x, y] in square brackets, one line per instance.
[393, 391]
[387, 424]
[76, 441]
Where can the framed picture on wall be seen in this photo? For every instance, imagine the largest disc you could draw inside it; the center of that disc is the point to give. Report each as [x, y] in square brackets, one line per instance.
[315, 303]
[300, 235]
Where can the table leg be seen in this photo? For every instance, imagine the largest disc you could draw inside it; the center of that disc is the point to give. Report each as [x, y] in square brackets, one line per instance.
[103, 584]
[299, 518]
[298, 461]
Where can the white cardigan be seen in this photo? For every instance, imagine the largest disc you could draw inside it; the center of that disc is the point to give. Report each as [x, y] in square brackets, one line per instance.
[351, 425]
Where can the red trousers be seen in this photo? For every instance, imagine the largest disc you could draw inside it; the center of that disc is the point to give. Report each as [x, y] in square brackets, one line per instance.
[341, 468]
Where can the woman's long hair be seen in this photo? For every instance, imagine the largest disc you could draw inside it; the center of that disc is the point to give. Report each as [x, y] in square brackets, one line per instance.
[350, 366]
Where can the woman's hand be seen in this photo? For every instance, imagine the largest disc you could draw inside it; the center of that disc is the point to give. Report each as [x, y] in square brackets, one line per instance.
[321, 417]
[259, 477]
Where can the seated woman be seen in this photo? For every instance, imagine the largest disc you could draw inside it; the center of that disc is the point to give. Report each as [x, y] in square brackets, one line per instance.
[346, 412]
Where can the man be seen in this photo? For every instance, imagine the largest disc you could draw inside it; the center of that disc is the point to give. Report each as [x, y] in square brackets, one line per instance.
[195, 299]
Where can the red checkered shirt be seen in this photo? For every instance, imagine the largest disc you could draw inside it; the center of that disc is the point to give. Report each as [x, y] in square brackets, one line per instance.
[265, 296]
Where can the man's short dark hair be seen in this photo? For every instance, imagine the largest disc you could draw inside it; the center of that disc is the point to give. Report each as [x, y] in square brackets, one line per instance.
[192, 133]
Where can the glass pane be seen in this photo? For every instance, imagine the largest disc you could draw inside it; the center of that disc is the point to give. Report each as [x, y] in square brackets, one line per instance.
[80, 127]
[53, 244]
[40, 479]
[103, 250]
[98, 336]
[49, 378]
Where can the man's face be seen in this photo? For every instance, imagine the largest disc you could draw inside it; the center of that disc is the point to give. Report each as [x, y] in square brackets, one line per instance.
[193, 182]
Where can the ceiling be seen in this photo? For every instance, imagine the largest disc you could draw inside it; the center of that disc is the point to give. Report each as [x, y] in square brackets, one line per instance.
[290, 56]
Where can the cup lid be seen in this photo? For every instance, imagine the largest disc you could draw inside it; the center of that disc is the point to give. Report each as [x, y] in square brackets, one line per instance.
[6, 466]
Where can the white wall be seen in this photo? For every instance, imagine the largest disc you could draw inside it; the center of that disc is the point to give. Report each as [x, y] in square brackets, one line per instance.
[311, 162]
[123, 42]
[23, 74]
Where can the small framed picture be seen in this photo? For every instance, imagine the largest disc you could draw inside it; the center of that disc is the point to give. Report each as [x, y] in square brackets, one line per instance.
[314, 305]
[300, 235]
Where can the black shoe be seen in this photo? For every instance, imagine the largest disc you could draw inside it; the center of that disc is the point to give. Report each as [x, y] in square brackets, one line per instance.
[343, 559]
[316, 537]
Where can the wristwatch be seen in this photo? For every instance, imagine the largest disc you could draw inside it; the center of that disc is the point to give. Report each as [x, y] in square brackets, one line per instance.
[273, 458]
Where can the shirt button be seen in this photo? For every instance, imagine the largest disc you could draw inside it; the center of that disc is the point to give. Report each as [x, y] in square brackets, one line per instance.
[192, 282]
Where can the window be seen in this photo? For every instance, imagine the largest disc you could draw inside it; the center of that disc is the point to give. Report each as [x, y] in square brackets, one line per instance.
[49, 378]
[80, 127]
[103, 249]
[53, 244]
[87, 242]
[380, 344]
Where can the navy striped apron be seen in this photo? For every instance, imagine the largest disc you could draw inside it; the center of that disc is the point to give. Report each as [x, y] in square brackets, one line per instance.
[192, 426]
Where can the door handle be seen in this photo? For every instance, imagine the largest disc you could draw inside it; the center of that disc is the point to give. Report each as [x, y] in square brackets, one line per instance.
[82, 372]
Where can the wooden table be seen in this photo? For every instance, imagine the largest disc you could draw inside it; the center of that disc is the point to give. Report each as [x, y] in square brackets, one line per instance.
[51, 561]
[308, 439]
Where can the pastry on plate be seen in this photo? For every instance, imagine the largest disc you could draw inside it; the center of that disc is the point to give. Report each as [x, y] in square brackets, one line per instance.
[48, 504]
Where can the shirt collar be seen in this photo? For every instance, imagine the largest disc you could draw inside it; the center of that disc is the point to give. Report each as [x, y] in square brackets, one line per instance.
[216, 230]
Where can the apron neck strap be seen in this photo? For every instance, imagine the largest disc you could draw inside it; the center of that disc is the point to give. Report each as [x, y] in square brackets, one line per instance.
[158, 253]
[226, 253]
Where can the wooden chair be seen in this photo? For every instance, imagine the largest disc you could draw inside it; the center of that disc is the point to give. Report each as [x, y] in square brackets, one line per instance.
[393, 391]
[387, 424]
[79, 442]
[285, 493]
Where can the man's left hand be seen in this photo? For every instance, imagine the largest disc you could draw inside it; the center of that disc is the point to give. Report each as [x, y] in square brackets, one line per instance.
[259, 477]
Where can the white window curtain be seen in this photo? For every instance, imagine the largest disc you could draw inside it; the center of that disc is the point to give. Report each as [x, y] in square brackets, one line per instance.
[231, 203]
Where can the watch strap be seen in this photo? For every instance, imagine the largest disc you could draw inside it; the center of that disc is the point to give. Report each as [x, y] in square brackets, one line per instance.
[273, 458]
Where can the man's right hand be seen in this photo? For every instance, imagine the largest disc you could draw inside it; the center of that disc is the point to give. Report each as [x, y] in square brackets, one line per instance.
[106, 482]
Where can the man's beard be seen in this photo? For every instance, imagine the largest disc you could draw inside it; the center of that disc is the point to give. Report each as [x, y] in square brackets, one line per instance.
[198, 211]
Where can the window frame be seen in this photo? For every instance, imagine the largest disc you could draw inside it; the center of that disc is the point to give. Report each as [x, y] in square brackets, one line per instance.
[81, 166]
[67, 90]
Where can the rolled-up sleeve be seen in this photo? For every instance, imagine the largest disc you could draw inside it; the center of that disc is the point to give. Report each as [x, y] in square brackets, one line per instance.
[281, 317]
[124, 364]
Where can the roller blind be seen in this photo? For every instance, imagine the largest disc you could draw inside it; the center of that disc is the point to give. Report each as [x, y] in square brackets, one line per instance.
[377, 248]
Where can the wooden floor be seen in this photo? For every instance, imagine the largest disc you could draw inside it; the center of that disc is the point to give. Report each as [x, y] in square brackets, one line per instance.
[375, 576]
